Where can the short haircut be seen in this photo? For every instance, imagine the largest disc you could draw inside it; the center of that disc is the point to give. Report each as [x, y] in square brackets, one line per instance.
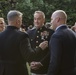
[13, 14]
[61, 13]
[40, 12]
[1, 19]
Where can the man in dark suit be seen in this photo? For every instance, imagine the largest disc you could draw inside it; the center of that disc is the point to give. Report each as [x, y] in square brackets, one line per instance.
[15, 48]
[38, 34]
[62, 45]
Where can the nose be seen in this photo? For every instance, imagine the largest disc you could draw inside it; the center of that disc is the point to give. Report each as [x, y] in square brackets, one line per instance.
[36, 20]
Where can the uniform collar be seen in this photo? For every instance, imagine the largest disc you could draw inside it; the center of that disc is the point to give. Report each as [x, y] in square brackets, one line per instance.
[12, 27]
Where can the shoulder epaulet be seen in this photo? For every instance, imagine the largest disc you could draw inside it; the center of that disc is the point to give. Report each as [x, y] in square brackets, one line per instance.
[33, 28]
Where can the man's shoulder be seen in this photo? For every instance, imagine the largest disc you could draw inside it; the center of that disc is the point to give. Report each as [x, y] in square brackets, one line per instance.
[34, 28]
[31, 30]
[48, 29]
[51, 31]
[25, 34]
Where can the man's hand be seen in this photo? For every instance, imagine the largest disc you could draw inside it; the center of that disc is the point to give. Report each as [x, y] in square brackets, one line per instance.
[35, 65]
[43, 45]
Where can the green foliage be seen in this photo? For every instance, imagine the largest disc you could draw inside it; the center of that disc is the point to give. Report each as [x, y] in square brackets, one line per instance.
[28, 7]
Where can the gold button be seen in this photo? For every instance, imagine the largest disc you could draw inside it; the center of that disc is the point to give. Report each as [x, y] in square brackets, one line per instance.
[31, 39]
[36, 46]
[36, 41]
[37, 36]
[38, 31]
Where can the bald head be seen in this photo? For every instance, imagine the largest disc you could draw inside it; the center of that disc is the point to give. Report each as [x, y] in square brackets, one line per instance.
[58, 18]
[61, 14]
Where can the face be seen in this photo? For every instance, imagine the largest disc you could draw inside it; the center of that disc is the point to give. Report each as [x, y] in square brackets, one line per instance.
[53, 21]
[2, 25]
[38, 20]
[74, 28]
[19, 21]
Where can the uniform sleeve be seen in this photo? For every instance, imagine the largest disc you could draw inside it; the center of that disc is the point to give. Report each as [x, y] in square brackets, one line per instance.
[46, 58]
[26, 51]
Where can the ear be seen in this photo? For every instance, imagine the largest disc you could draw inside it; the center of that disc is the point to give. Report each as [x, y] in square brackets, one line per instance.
[58, 19]
[44, 20]
[18, 21]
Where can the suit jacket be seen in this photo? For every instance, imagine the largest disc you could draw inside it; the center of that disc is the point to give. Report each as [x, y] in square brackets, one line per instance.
[63, 46]
[36, 37]
[15, 50]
